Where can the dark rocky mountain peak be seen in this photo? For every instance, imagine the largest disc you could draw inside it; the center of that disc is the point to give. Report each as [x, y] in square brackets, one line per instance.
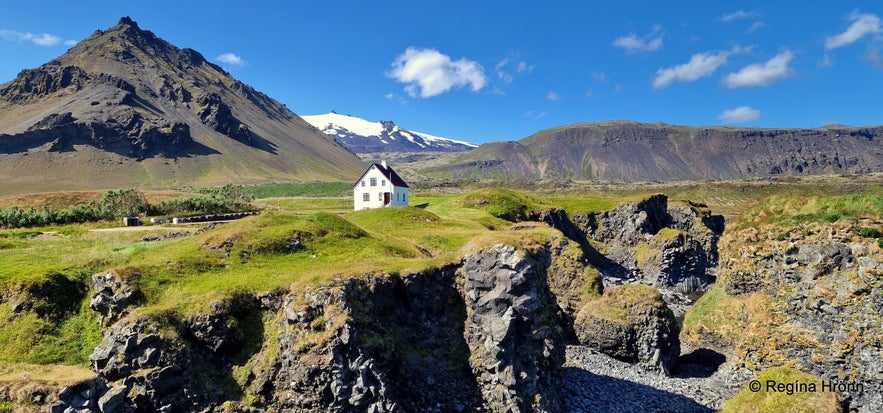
[124, 91]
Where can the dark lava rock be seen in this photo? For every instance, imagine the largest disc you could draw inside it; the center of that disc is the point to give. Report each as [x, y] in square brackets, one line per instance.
[514, 329]
[631, 323]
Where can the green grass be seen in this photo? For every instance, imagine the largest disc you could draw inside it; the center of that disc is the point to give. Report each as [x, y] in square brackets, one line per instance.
[311, 189]
[304, 205]
[184, 276]
[624, 304]
[767, 400]
[791, 210]
[506, 204]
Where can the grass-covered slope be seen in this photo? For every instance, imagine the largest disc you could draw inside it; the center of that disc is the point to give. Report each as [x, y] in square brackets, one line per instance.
[800, 285]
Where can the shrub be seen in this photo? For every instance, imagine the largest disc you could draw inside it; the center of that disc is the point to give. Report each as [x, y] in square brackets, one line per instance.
[866, 232]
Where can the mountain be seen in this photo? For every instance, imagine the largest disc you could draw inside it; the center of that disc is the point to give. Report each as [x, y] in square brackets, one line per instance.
[362, 136]
[631, 151]
[124, 107]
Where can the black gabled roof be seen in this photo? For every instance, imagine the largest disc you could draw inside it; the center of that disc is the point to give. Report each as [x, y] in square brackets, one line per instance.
[389, 173]
[392, 175]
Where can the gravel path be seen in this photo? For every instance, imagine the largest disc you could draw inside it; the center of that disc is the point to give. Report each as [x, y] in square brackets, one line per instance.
[598, 383]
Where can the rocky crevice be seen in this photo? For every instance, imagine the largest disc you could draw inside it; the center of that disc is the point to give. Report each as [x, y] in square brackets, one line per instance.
[673, 249]
[483, 335]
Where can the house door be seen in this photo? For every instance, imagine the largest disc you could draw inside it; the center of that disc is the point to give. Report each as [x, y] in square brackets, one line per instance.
[387, 197]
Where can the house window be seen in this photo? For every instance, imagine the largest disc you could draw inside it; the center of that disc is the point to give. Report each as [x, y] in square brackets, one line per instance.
[366, 196]
[363, 183]
[373, 181]
[383, 182]
[380, 196]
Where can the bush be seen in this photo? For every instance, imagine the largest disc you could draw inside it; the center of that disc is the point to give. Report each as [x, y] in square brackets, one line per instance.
[127, 202]
[866, 232]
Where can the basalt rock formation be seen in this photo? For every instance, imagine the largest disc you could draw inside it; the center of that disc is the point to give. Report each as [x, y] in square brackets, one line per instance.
[809, 294]
[673, 249]
[485, 334]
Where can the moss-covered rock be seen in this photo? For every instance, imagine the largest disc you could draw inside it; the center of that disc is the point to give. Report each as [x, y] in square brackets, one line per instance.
[631, 323]
[783, 389]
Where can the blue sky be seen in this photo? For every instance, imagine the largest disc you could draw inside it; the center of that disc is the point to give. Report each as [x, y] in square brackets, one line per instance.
[495, 70]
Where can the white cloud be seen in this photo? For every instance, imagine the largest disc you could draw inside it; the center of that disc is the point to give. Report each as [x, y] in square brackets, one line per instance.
[231, 59]
[761, 74]
[71, 42]
[862, 25]
[874, 56]
[43, 39]
[737, 15]
[532, 114]
[742, 114]
[699, 66]
[755, 27]
[524, 68]
[435, 73]
[553, 96]
[634, 44]
[598, 76]
[503, 75]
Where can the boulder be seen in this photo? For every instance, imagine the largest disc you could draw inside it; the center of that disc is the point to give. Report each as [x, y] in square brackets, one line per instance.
[631, 323]
[114, 401]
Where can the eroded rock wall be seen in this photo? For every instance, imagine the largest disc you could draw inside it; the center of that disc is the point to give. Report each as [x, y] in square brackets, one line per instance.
[483, 335]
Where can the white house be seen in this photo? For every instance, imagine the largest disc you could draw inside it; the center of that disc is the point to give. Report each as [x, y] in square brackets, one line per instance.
[380, 187]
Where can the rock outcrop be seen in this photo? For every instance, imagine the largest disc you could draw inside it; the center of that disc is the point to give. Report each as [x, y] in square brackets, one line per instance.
[111, 296]
[486, 334]
[818, 288]
[514, 329]
[631, 323]
[673, 249]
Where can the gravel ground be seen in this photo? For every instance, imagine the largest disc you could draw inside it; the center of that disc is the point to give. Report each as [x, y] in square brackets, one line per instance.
[598, 383]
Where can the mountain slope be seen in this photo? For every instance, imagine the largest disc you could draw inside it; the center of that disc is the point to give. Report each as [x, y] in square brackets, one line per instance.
[362, 136]
[124, 107]
[630, 151]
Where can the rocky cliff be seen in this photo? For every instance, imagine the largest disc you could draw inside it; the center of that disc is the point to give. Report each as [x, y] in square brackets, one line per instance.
[485, 334]
[806, 295]
[629, 151]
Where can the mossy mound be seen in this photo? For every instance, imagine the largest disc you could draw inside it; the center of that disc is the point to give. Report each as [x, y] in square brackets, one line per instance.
[783, 389]
[506, 204]
[631, 323]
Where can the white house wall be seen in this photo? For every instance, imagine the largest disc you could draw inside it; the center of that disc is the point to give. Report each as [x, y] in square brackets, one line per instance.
[399, 196]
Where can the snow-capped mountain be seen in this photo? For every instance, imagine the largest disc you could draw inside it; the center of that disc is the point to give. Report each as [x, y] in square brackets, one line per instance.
[362, 136]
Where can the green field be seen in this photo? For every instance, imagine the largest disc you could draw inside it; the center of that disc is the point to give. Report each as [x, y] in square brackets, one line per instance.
[298, 241]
